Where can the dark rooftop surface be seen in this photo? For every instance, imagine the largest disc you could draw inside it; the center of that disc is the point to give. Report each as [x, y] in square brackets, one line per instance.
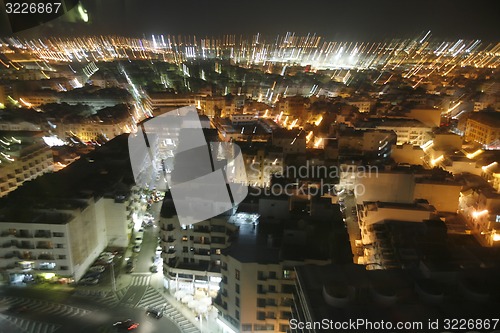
[389, 122]
[362, 288]
[105, 172]
[488, 118]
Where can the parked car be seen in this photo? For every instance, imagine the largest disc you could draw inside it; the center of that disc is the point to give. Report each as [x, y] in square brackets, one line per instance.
[137, 248]
[106, 254]
[154, 269]
[138, 239]
[89, 281]
[130, 267]
[104, 261]
[91, 275]
[97, 269]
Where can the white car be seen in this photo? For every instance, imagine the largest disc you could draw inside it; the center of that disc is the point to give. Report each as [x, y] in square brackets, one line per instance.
[138, 239]
[137, 248]
[97, 269]
[106, 254]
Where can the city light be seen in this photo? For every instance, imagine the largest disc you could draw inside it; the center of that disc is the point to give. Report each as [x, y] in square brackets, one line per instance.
[474, 154]
[427, 145]
[318, 121]
[480, 213]
[486, 167]
[437, 160]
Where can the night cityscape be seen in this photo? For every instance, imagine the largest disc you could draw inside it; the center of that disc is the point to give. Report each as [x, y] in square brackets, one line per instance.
[226, 167]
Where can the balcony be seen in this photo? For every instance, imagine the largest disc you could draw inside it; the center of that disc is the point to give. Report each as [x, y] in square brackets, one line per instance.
[10, 255]
[286, 302]
[26, 256]
[24, 234]
[205, 241]
[25, 246]
[45, 246]
[46, 256]
[170, 254]
[43, 234]
[203, 230]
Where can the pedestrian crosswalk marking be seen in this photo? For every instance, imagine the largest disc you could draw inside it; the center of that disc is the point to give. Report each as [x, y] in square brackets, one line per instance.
[140, 280]
[44, 306]
[153, 298]
[32, 326]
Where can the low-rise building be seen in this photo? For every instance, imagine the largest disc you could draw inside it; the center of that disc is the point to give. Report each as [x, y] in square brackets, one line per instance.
[407, 130]
[484, 128]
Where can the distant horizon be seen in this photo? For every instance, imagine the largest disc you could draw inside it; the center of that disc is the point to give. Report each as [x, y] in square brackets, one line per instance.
[363, 20]
[268, 38]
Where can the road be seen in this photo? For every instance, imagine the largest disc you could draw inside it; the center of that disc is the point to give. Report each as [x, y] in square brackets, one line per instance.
[352, 225]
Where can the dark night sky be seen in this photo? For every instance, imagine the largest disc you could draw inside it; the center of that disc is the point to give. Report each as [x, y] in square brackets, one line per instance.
[334, 19]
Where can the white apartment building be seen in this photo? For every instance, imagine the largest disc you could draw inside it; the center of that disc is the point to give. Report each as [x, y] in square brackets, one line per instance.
[192, 254]
[24, 156]
[50, 241]
[481, 209]
[407, 130]
[89, 129]
[261, 164]
[256, 297]
[57, 231]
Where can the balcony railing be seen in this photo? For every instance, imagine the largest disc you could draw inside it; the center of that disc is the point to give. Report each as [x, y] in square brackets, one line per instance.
[25, 246]
[24, 235]
[43, 234]
[46, 257]
[205, 241]
[202, 229]
[45, 246]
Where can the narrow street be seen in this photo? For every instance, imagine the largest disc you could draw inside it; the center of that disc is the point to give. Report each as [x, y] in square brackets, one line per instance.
[352, 226]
